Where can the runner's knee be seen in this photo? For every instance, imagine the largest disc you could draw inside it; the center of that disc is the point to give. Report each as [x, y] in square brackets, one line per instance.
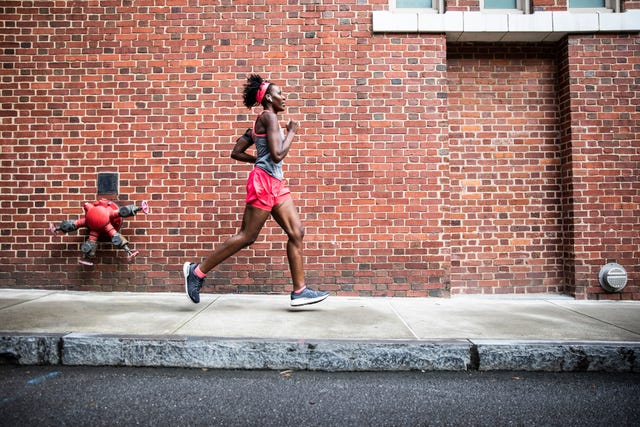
[297, 234]
[248, 239]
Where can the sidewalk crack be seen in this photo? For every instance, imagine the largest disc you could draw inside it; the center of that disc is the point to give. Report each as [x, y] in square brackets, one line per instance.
[29, 300]
[404, 322]
[195, 316]
[593, 318]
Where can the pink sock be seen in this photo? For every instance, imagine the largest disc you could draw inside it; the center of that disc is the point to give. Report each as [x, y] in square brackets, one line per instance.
[199, 273]
[300, 290]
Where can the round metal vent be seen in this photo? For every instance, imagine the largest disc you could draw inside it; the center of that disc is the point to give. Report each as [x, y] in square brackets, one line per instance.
[613, 277]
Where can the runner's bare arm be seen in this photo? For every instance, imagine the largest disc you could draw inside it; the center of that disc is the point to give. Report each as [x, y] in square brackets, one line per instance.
[239, 151]
[278, 148]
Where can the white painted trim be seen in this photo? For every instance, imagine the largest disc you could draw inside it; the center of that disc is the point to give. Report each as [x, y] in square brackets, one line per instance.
[478, 26]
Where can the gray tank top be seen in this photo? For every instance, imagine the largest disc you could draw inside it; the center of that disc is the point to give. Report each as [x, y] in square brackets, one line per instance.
[264, 160]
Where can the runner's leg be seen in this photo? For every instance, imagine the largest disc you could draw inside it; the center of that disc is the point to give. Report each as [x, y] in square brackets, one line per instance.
[252, 222]
[286, 215]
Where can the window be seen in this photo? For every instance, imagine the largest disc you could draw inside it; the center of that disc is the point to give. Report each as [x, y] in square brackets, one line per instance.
[586, 3]
[417, 5]
[413, 4]
[505, 6]
[591, 5]
[500, 4]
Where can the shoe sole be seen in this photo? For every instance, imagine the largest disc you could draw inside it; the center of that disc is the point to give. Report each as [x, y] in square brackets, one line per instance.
[185, 273]
[307, 301]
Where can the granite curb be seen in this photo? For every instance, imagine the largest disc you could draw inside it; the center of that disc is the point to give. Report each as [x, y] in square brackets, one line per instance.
[331, 355]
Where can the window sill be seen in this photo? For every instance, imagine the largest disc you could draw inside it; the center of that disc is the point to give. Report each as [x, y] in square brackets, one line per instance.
[502, 11]
[409, 10]
[590, 10]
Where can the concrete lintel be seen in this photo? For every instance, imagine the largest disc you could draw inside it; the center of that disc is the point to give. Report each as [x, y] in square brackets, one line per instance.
[478, 26]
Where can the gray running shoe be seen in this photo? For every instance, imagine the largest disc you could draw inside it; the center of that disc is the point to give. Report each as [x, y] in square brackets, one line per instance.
[308, 296]
[192, 283]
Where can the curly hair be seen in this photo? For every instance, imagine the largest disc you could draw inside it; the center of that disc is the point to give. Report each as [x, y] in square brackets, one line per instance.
[250, 91]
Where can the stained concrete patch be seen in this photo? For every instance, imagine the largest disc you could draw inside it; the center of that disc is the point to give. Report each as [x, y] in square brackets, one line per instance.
[110, 313]
[270, 316]
[504, 319]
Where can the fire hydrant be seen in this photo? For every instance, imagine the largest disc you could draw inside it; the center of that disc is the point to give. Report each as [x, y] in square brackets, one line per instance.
[103, 218]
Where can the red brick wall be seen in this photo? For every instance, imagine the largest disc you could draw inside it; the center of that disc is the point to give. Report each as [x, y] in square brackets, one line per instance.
[505, 170]
[600, 134]
[549, 5]
[463, 5]
[544, 166]
[564, 147]
[153, 93]
[630, 5]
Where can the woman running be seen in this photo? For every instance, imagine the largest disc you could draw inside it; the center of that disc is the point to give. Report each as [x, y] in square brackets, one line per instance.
[267, 194]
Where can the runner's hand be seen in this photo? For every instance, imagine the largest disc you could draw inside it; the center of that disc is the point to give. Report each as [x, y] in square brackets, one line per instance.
[292, 126]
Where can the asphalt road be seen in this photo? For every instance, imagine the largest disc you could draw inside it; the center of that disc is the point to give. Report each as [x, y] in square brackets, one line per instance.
[83, 396]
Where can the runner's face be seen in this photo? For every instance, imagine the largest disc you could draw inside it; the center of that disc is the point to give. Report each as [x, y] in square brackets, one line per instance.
[278, 100]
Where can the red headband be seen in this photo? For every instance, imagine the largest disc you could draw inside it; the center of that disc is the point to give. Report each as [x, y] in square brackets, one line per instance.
[262, 91]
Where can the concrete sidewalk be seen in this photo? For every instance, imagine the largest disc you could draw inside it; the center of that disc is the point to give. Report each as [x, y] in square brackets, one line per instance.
[543, 332]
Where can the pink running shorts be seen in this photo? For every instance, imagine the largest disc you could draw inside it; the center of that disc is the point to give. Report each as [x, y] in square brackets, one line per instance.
[264, 191]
